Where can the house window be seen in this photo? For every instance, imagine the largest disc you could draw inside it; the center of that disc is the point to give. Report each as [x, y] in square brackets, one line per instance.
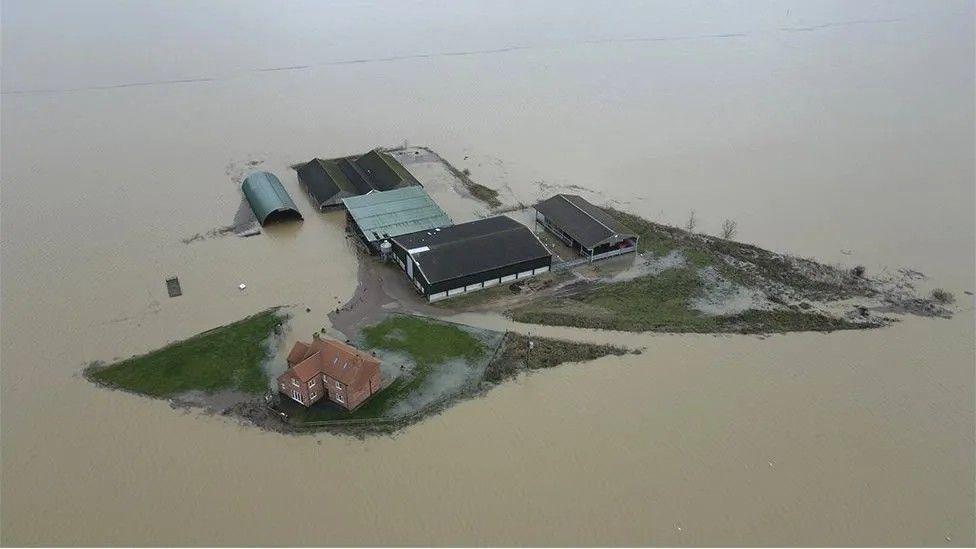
[294, 382]
[311, 384]
[339, 398]
[338, 385]
[296, 395]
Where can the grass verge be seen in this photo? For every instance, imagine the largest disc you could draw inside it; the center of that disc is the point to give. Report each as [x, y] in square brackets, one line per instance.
[663, 303]
[516, 355]
[428, 342]
[743, 263]
[228, 357]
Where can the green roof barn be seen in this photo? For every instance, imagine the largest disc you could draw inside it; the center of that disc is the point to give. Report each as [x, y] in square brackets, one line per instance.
[268, 199]
[379, 215]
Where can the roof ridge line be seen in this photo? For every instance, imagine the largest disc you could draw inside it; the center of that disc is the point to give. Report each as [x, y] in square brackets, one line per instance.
[587, 214]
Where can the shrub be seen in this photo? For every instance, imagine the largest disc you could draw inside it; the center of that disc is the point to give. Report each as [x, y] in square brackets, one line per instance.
[858, 271]
[944, 297]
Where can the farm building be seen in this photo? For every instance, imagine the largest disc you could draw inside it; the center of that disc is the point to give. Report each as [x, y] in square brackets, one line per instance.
[589, 230]
[327, 182]
[268, 199]
[463, 258]
[379, 215]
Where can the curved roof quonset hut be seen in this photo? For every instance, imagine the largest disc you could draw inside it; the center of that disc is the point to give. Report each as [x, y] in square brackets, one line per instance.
[268, 199]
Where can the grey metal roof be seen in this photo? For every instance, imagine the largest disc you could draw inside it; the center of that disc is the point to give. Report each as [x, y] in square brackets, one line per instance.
[585, 223]
[471, 248]
[268, 199]
[384, 214]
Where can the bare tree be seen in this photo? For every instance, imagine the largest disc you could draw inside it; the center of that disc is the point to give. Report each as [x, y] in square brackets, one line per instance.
[728, 229]
[692, 222]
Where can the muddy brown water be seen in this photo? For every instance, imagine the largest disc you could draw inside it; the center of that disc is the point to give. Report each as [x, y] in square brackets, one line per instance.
[819, 127]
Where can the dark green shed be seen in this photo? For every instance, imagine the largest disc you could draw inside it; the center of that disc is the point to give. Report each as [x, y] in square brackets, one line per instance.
[268, 199]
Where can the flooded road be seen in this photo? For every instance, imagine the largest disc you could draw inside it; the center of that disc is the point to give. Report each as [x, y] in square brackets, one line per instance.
[838, 131]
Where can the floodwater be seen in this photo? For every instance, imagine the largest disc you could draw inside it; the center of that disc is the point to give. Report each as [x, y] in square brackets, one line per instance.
[836, 130]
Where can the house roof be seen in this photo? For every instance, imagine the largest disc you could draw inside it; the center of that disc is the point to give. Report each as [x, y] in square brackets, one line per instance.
[392, 213]
[268, 198]
[585, 223]
[471, 248]
[298, 353]
[307, 368]
[333, 358]
[329, 181]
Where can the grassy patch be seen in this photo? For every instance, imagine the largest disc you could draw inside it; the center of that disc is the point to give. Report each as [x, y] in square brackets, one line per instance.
[426, 341]
[663, 303]
[228, 357]
[743, 263]
[482, 193]
[477, 190]
[516, 355]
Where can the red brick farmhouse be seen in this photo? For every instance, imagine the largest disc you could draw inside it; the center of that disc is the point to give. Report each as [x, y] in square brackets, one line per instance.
[332, 370]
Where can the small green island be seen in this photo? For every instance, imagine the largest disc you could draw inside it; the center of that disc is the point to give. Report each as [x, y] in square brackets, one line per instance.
[428, 364]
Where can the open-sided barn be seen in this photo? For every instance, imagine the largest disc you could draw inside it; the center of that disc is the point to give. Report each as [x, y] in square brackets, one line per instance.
[589, 230]
[467, 257]
[379, 215]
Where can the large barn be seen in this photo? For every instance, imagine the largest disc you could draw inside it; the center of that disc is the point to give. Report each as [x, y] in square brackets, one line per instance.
[327, 182]
[463, 258]
[378, 216]
[586, 228]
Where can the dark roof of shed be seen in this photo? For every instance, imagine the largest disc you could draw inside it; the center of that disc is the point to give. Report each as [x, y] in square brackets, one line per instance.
[325, 181]
[329, 181]
[379, 170]
[471, 248]
[585, 223]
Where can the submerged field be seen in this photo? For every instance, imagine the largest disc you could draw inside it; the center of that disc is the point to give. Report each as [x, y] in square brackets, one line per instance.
[224, 358]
